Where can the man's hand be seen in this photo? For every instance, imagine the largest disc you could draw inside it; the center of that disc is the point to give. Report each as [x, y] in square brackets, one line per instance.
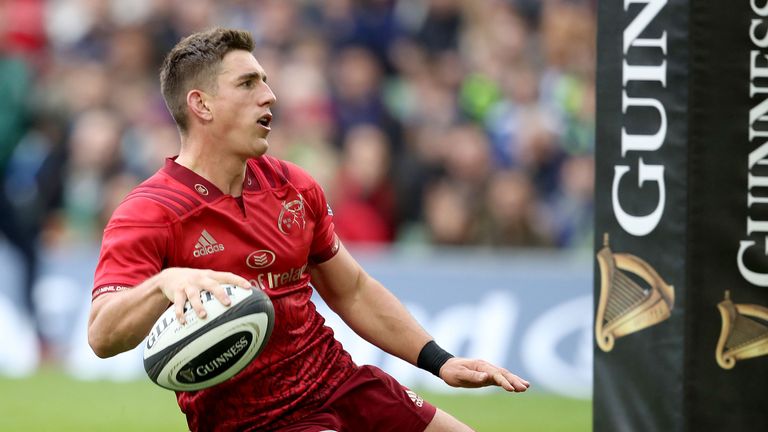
[182, 284]
[470, 373]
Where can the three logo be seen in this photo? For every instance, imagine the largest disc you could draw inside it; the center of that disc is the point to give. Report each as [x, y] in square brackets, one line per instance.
[260, 259]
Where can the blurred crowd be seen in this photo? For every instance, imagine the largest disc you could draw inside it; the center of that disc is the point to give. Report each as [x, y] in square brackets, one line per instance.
[445, 122]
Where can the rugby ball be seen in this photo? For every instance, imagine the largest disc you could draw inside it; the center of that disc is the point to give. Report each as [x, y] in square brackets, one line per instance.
[205, 352]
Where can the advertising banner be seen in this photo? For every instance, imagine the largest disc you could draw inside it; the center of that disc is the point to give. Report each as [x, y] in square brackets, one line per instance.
[727, 364]
[529, 312]
[641, 186]
[681, 265]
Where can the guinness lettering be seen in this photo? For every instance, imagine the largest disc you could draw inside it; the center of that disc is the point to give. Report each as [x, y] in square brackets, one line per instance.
[216, 359]
[223, 359]
[758, 157]
[641, 225]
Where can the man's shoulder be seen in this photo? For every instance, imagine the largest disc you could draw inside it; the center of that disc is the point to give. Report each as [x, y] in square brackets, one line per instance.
[283, 170]
[158, 200]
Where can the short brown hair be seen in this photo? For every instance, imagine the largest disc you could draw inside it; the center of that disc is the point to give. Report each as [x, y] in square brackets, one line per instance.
[194, 63]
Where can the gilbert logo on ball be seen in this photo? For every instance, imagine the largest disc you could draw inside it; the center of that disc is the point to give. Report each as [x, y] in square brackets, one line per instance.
[205, 352]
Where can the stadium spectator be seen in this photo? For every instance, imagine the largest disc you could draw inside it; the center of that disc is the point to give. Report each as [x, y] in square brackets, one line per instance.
[467, 159]
[94, 158]
[22, 154]
[357, 96]
[363, 197]
[15, 80]
[513, 216]
[223, 185]
[449, 212]
[573, 209]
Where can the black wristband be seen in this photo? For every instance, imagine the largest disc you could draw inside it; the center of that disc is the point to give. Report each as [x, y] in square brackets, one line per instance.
[432, 358]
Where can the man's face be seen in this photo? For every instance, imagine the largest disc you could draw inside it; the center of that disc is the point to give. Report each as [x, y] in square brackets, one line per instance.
[241, 106]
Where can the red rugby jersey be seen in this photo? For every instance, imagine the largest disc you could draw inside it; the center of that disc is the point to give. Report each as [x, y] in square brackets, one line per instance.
[178, 219]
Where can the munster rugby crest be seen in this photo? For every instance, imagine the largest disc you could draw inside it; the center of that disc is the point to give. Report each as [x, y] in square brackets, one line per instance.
[291, 216]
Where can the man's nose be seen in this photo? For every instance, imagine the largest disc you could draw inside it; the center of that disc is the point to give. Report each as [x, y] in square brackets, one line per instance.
[269, 97]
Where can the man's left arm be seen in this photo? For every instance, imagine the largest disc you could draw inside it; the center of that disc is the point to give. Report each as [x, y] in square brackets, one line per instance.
[377, 316]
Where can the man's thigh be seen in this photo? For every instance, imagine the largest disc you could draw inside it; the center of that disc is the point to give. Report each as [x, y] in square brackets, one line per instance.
[318, 422]
[441, 422]
[371, 400]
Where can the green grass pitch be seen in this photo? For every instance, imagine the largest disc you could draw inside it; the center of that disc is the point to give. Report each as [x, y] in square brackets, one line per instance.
[52, 401]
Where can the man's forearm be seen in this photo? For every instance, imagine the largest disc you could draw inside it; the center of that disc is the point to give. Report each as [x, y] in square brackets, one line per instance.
[120, 320]
[379, 317]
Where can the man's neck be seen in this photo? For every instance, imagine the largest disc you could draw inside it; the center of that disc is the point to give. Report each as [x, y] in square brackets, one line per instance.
[225, 171]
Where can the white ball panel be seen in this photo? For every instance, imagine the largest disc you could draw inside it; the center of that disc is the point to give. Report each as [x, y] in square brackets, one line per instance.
[168, 331]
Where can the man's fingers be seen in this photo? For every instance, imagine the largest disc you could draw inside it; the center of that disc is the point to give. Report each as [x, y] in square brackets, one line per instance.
[518, 384]
[480, 374]
[510, 384]
[232, 279]
[220, 294]
[182, 285]
[229, 278]
[179, 300]
[215, 281]
[500, 380]
[193, 294]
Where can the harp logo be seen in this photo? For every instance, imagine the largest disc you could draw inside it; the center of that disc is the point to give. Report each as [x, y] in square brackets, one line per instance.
[743, 334]
[188, 374]
[628, 304]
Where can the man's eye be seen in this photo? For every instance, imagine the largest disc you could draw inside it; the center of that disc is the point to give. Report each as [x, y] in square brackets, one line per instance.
[247, 84]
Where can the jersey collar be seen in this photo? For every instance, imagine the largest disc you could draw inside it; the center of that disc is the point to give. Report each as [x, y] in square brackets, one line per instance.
[200, 185]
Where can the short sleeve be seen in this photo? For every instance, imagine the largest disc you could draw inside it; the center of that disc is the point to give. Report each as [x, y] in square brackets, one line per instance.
[325, 243]
[129, 256]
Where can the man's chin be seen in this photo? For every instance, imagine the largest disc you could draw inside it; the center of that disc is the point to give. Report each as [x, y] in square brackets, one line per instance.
[260, 147]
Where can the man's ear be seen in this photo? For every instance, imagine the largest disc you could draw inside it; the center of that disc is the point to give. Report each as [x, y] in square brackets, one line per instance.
[197, 101]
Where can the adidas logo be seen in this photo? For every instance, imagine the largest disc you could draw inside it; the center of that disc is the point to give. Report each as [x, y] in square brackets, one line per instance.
[416, 399]
[207, 245]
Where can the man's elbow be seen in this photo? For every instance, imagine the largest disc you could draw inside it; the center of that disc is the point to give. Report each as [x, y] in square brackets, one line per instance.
[100, 345]
[100, 338]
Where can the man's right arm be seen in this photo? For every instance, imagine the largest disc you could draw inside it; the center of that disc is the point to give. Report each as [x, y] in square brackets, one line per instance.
[120, 320]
